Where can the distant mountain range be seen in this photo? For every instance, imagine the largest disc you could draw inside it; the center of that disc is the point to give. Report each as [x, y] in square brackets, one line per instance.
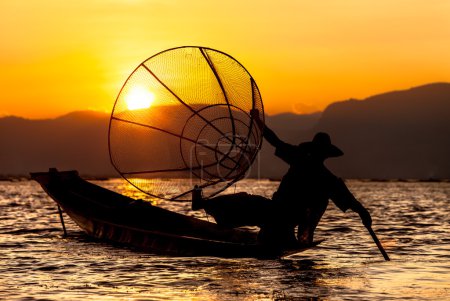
[78, 140]
[396, 135]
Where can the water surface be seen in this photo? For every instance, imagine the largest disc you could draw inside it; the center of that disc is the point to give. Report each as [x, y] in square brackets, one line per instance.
[411, 219]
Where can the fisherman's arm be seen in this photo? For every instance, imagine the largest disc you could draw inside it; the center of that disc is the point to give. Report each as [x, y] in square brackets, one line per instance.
[270, 136]
[285, 151]
[344, 199]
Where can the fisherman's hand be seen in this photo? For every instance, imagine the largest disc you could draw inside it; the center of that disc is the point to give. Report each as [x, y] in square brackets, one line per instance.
[363, 213]
[365, 217]
[254, 113]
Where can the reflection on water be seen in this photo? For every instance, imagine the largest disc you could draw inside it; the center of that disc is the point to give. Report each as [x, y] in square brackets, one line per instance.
[411, 219]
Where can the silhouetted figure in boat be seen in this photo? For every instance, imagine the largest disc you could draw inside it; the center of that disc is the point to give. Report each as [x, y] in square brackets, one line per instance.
[301, 198]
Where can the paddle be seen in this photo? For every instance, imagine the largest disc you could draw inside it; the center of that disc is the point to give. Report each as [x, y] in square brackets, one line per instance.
[62, 220]
[377, 241]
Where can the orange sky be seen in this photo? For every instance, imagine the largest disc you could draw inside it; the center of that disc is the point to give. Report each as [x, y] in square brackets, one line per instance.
[60, 56]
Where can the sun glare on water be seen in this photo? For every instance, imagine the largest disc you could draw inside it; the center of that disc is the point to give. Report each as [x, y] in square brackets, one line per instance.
[139, 98]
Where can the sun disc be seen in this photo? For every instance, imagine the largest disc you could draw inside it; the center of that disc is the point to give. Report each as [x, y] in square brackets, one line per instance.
[139, 98]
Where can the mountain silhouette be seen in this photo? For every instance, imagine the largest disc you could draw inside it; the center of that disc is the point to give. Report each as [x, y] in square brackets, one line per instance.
[78, 140]
[396, 135]
[403, 134]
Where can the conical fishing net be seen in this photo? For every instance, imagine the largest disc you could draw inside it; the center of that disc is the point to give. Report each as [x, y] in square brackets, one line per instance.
[182, 119]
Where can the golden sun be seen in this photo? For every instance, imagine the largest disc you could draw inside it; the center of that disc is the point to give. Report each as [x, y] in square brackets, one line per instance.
[139, 98]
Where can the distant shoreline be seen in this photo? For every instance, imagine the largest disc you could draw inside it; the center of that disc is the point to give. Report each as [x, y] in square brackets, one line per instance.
[20, 178]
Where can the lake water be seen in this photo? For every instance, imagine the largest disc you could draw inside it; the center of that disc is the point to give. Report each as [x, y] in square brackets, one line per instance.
[411, 219]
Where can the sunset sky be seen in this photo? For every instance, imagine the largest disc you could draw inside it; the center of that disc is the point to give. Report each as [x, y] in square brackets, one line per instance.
[61, 56]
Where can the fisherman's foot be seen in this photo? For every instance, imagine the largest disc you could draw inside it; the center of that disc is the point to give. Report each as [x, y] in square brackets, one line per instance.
[304, 244]
[197, 205]
[197, 199]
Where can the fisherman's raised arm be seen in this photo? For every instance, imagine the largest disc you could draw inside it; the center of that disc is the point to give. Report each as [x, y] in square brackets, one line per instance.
[285, 151]
[270, 136]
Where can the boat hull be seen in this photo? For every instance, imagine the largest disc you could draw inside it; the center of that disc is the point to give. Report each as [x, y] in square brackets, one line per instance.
[106, 215]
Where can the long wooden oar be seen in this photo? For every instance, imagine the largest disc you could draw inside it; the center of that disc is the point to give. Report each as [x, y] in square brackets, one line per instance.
[377, 241]
[62, 220]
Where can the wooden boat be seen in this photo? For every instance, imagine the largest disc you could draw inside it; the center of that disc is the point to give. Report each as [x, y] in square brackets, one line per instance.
[110, 216]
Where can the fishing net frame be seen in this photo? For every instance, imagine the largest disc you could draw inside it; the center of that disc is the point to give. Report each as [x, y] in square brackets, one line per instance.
[235, 135]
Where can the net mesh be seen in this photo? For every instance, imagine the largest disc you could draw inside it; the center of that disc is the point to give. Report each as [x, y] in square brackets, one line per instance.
[184, 114]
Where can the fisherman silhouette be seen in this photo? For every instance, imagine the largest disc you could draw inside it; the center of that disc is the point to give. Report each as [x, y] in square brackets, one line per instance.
[300, 200]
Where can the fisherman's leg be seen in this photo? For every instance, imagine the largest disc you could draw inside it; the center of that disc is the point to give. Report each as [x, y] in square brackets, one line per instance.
[279, 229]
[280, 236]
[198, 202]
[236, 210]
[308, 222]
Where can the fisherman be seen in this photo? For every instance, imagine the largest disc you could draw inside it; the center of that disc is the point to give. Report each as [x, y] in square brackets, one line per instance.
[300, 200]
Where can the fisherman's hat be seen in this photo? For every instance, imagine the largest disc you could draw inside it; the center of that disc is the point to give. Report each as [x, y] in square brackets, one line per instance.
[321, 143]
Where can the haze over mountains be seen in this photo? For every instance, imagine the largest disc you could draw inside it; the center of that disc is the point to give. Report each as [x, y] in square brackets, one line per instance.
[396, 135]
